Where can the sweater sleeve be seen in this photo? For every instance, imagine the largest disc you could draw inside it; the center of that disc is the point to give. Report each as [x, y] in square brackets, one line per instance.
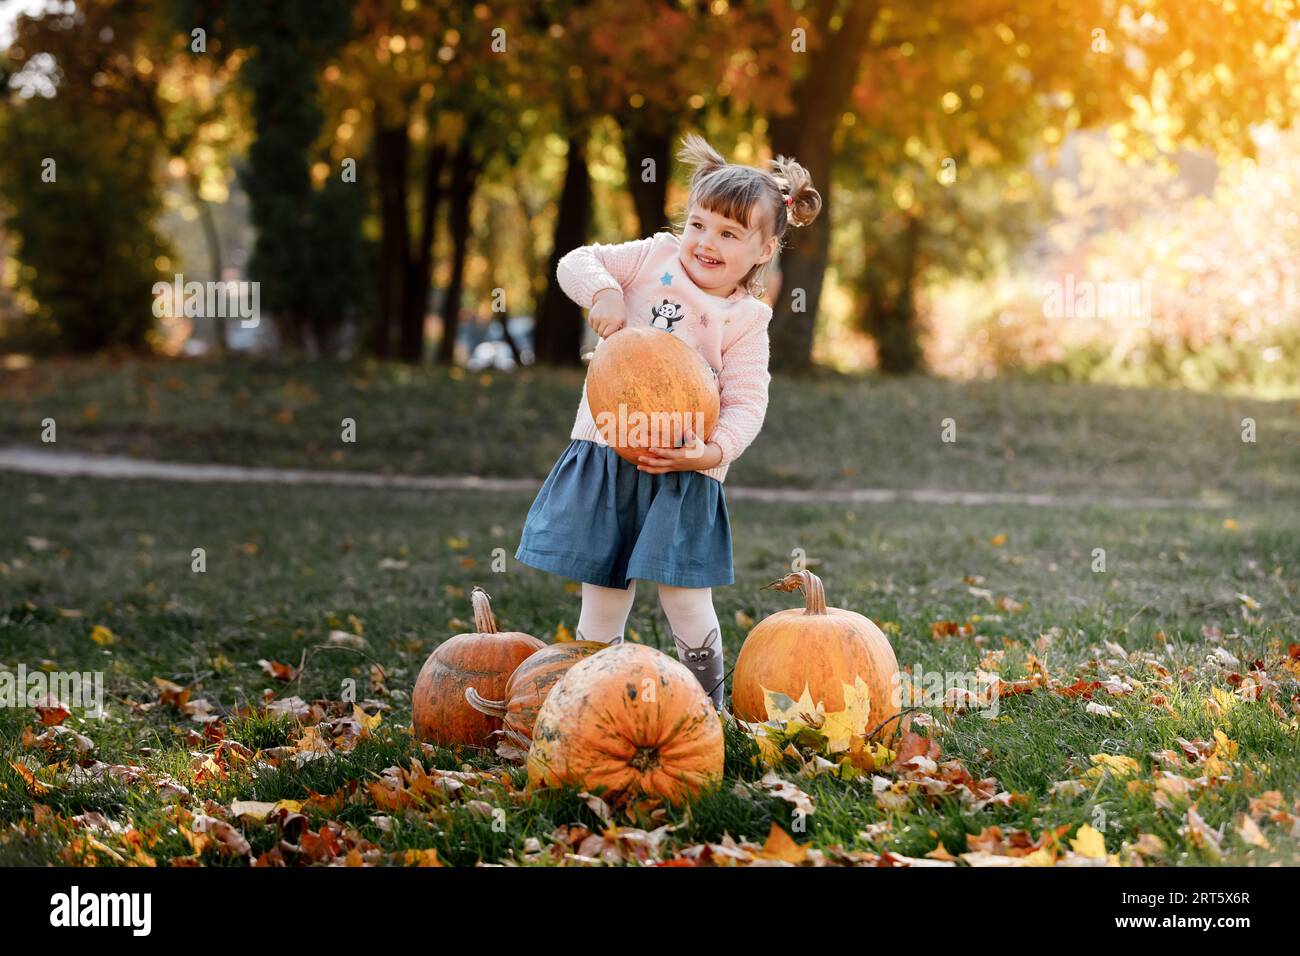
[588, 269]
[742, 388]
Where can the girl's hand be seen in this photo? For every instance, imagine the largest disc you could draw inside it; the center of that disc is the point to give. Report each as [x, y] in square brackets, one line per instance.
[694, 455]
[608, 312]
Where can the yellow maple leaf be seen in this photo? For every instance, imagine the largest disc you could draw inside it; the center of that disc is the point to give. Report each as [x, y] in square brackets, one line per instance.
[769, 752]
[1118, 764]
[562, 634]
[366, 722]
[782, 708]
[780, 846]
[1225, 747]
[843, 725]
[1090, 843]
[101, 635]
[1225, 699]
[428, 857]
[1040, 857]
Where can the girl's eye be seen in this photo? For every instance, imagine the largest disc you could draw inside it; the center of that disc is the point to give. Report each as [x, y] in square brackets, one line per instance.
[728, 235]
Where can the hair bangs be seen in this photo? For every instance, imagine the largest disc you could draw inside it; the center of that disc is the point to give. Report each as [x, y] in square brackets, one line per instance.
[731, 192]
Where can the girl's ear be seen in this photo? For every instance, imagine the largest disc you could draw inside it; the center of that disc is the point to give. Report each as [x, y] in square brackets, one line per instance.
[769, 251]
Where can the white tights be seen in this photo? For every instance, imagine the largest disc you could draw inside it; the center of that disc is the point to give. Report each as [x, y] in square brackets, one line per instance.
[691, 617]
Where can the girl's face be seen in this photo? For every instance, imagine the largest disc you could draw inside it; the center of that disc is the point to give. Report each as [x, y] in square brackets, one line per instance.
[718, 252]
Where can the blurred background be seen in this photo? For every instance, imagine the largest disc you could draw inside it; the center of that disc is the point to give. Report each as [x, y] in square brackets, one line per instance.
[1084, 190]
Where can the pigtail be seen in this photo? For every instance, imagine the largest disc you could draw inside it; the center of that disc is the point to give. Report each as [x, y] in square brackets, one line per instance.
[702, 158]
[802, 201]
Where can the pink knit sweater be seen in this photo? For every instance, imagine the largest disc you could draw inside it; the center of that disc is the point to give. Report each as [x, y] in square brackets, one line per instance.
[730, 333]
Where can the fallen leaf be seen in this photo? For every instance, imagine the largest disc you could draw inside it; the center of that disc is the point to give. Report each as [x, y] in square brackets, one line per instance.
[1249, 831]
[780, 846]
[102, 636]
[344, 639]
[278, 670]
[1089, 842]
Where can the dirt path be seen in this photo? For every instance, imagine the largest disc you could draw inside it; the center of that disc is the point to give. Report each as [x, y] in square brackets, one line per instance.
[60, 463]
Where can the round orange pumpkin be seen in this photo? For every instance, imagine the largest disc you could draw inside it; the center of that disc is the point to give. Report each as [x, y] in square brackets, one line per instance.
[630, 720]
[484, 659]
[818, 647]
[646, 387]
[527, 689]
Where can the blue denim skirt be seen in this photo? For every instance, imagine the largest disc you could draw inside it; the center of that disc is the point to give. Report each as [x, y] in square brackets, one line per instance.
[599, 519]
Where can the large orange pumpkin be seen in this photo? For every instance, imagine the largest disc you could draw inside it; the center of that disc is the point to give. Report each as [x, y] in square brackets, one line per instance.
[818, 647]
[631, 720]
[645, 387]
[484, 659]
[527, 689]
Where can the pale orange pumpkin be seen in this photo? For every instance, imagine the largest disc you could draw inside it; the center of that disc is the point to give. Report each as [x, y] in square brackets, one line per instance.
[630, 720]
[818, 647]
[527, 689]
[484, 659]
[646, 387]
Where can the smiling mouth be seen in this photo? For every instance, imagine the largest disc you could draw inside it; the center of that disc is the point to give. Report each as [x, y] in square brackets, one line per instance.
[707, 261]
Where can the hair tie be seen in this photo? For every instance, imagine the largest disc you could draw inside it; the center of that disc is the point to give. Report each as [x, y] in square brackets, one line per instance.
[789, 200]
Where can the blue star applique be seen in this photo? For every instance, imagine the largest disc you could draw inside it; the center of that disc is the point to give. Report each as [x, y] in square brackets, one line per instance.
[666, 279]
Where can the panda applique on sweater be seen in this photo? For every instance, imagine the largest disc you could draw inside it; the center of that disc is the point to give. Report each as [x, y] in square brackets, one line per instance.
[666, 315]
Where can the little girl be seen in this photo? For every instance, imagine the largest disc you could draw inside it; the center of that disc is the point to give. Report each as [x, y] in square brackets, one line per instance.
[605, 522]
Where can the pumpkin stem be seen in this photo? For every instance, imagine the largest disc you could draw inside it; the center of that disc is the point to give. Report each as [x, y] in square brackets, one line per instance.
[484, 622]
[493, 708]
[809, 584]
[645, 759]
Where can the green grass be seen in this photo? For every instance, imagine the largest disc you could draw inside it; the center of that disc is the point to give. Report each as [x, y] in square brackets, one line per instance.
[120, 553]
[827, 432]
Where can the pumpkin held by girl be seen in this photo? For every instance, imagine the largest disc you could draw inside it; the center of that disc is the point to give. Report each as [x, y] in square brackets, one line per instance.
[819, 647]
[630, 720]
[485, 659]
[647, 388]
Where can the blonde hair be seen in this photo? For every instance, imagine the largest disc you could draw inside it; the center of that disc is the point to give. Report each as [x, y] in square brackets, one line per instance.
[733, 190]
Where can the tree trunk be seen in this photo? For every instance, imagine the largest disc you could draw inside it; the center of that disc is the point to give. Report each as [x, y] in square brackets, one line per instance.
[889, 304]
[536, 279]
[808, 135]
[464, 176]
[645, 139]
[419, 272]
[496, 213]
[559, 320]
[213, 240]
[391, 149]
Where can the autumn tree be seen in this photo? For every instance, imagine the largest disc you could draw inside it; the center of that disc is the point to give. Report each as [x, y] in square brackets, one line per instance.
[79, 170]
[429, 95]
[307, 255]
[1015, 73]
